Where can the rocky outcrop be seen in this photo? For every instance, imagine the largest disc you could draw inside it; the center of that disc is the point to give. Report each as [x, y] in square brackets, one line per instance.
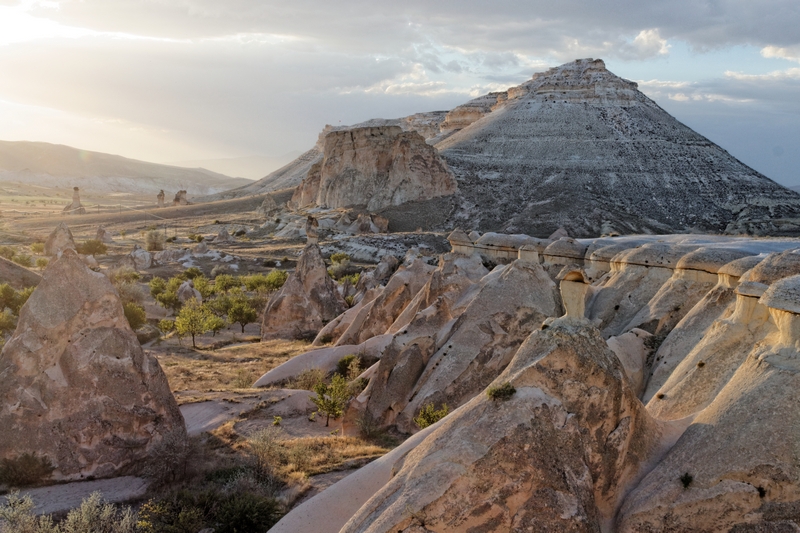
[187, 292]
[77, 387]
[558, 455]
[140, 258]
[735, 468]
[312, 230]
[59, 240]
[104, 236]
[180, 198]
[307, 301]
[76, 207]
[17, 276]
[160, 198]
[375, 167]
[223, 237]
[456, 344]
[268, 207]
[362, 223]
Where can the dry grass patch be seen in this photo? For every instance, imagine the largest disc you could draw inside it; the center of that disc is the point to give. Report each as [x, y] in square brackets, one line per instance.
[233, 368]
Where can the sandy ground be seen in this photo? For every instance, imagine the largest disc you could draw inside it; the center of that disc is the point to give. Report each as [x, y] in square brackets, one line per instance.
[61, 498]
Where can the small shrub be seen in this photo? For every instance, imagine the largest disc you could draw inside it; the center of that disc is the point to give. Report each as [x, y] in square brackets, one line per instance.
[686, 480]
[195, 237]
[204, 287]
[166, 325]
[20, 298]
[130, 293]
[135, 315]
[266, 450]
[226, 282]
[26, 469]
[7, 252]
[154, 241]
[339, 257]
[429, 415]
[243, 379]
[37, 247]
[276, 420]
[157, 286]
[23, 260]
[220, 270]
[92, 247]
[192, 272]
[307, 379]
[343, 366]
[41, 263]
[8, 322]
[276, 279]
[368, 427]
[502, 392]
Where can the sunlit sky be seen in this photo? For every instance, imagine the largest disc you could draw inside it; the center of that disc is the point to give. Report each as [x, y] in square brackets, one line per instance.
[172, 80]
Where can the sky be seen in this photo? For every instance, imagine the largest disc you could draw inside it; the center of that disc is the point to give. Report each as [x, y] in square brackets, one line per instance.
[179, 80]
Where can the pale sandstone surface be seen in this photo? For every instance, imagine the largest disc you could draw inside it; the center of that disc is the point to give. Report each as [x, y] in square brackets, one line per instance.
[741, 452]
[64, 497]
[455, 360]
[187, 292]
[307, 301]
[559, 455]
[401, 288]
[77, 387]
[60, 239]
[140, 258]
[104, 236]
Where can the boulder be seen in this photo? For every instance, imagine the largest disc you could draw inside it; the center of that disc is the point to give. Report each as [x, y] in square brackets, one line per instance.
[559, 454]
[103, 236]
[142, 259]
[200, 248]
[187, 292]
[223, 237]
[77, 387]
[307, 301]
[59, 240]
[173, 255]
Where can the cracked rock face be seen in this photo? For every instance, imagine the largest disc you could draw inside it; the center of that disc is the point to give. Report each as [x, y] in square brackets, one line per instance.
[558, 455]
[376, 167]
[76, 386]
[307, 301]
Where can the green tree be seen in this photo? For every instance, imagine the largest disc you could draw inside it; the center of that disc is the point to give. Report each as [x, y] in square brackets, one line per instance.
[203, 286]
[166, 325]
[157, 286]
[242, 313]
[193, 319]
[332, 399]
[215, 323]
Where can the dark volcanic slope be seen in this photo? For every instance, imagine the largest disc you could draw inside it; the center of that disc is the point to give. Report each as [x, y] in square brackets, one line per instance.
[579, 147]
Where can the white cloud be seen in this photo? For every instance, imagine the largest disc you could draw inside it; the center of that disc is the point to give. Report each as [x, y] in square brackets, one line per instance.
[791, 53]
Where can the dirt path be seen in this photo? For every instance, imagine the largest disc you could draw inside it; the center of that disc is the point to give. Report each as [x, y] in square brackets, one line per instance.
[61, 498]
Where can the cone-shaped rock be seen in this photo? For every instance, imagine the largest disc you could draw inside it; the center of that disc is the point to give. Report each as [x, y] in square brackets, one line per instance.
[76, 386]
[307, 301]
[583, 147]
[59, 240]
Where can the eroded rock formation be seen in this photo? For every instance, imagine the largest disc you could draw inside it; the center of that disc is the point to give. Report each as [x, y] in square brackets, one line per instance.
[60, 239]
[160, 198]
[76, 207]
[77, 387]
[180, 198]
[375, 167]
[307, 301]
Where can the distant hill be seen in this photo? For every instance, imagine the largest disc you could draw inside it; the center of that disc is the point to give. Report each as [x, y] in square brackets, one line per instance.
[251, 167]
[59, 166]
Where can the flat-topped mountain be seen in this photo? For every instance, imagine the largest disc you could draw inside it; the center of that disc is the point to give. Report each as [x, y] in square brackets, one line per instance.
[54, 165]
[581, 148]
